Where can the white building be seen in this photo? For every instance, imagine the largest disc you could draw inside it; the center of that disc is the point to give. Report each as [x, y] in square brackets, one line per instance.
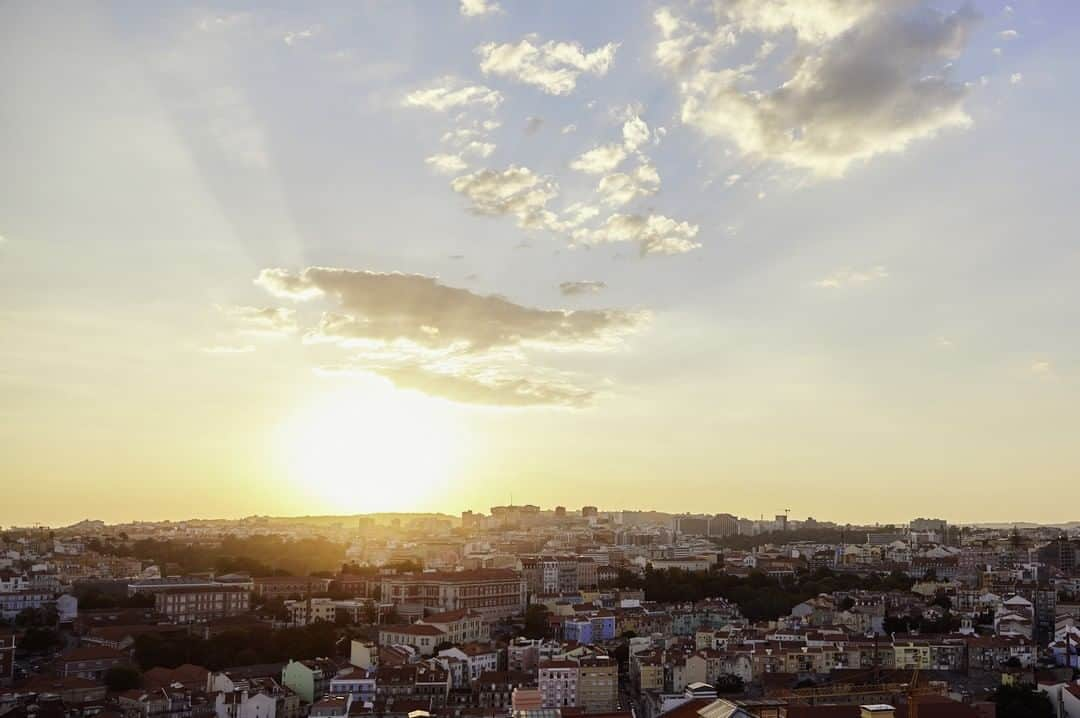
[558, 683]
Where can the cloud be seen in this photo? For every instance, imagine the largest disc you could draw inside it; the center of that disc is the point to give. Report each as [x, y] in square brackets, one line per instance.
[480, 149]
[847, 277]
[635, 133]
[476, 8]
[653, 233]
[600, 160]
[572, 289]
[449, 93]
[567, 129]
[865, 79]
[292, 38]
[732, 179]
[282, 283]
[515, 191]
[229, 349]
[1041, 367]
[814, 21]
[262, 320]
[620, 188]
[577, 214]
[533, 125]
[451, 342]
[485, 389]
[1008, 34]
[389, 307]
[446, 164]
[1016, 78]
[554, 67]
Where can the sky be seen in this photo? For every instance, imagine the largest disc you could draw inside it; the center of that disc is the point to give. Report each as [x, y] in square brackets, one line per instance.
[733, 256]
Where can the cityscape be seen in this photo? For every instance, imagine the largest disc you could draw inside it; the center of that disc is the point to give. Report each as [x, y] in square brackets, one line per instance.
[539, 359]
[538, 612]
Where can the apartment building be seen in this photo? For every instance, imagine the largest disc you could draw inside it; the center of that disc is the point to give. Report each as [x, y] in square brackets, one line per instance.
[308, 679]
[549, 575]
[13, 603]
[598, 684]
[495, 593]
[495, 689]
[303, 612]
[189, 604]
[426, 681]
[357, 682]
[558, 683]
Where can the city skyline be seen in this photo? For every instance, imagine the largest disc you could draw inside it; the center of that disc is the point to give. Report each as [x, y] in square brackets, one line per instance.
[362, 257]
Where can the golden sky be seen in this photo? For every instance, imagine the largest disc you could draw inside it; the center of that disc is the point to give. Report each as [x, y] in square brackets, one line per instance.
[418, 256]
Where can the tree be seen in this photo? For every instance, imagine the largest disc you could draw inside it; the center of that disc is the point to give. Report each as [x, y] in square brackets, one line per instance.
[1022, 701]
[122, 678]
[39, 639]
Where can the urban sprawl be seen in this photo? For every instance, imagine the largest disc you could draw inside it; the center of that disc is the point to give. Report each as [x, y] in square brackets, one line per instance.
[530, 613]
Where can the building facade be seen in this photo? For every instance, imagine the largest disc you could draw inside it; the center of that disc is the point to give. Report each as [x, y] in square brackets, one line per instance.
[201, 604]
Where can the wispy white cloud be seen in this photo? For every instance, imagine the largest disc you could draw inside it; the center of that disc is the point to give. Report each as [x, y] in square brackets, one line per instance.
[450, 93]
[294, 37]
[554, 67]
[446, 163]
[653, 233]
[476, 8]
[620, 188]
[847, 277]
[262, 320]
[635, 133]
[572, 289]
[600, 160]
[515, 191]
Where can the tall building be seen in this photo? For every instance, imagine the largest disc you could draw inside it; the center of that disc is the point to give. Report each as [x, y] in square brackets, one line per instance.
[589, 511]
[598, 684]
[724, 525]
[692, 525]
[1062, 554]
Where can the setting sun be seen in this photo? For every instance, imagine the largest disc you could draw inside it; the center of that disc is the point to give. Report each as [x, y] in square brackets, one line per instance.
[370, 447]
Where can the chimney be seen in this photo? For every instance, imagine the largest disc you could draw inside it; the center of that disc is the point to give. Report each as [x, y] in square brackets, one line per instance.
[877, 710]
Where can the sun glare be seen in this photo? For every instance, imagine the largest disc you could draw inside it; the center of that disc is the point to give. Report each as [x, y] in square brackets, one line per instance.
[370, 447]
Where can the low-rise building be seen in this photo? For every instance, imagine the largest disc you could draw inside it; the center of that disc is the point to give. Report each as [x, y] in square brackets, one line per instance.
[422, 637]
[90, 662]
[188, 604]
